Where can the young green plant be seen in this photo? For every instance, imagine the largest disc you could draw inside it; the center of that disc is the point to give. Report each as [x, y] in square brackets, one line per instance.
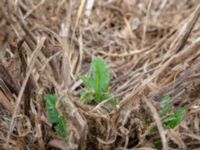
[54, 117]
[97, 85]
[171, 119]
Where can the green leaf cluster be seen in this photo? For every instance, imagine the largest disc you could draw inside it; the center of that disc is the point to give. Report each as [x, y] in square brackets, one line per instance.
[171, 119]
[158, 144]
[97, 85]
[54, 117]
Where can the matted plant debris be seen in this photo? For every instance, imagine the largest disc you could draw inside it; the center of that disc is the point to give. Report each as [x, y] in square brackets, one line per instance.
[99, 75]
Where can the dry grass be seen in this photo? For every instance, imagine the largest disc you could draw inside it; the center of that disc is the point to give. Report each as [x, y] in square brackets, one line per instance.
[151, 46]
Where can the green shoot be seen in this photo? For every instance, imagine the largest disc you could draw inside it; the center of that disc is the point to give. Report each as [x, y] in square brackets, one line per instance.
[61, 127]
[158, 145]
[54, 117]
[175, 118]
[171, 119]
[51, 109]
[97, 85]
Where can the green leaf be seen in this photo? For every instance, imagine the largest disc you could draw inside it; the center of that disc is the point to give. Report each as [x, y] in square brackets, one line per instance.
[87, 82]
[165, 110]
[51, 109]
[166, 103]
[61, 127]
[60, 122]
[165, 100]
[158, 145]
[100, 78]
[97, 86]
[98, 82]
[154, 130]
[175, 119]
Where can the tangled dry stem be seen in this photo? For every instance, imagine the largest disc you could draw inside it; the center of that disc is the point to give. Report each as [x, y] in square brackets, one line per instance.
[152, 50]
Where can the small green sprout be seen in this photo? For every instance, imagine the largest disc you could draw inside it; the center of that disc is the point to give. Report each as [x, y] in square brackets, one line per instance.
[158, 144]
[175, 118]
[54, 117]
[166, 105]
[97, 85]
[171, 119]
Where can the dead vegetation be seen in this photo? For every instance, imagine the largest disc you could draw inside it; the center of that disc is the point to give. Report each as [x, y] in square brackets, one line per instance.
[151, 46]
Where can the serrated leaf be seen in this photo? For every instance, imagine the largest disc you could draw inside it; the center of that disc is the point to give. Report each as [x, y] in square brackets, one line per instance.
[51, 109]
[61, 127]
[99, 80]
[98, 83]
[166, 103]
[87, 82]
[60, 122]
[175, 119]
[100, 77]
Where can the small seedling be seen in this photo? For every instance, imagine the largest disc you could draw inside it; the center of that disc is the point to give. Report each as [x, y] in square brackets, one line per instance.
[54, 117]
[97, 85]
[158, 144]
[171, 119]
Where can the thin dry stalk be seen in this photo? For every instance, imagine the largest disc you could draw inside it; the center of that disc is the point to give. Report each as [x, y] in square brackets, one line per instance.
[157, 119]
[32, 63]
[146, 23]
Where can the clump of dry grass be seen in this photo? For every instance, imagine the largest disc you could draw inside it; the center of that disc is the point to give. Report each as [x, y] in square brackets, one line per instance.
[151, 47]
